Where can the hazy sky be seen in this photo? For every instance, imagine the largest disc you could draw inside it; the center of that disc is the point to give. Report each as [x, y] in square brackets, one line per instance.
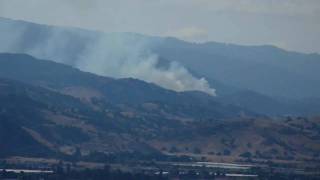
[291, 24]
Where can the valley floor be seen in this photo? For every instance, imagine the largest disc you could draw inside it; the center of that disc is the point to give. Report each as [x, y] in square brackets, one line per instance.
[224, 167]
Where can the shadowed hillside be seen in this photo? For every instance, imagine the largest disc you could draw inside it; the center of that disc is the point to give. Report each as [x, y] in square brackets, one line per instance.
[53, 116]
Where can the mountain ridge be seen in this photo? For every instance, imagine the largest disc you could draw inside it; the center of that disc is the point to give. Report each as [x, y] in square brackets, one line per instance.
[227, 64]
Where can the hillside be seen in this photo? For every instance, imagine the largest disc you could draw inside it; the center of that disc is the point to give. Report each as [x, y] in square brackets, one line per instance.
[94, 116]
[46, 129]
[88, 86]
[265, 69]
[109, 106]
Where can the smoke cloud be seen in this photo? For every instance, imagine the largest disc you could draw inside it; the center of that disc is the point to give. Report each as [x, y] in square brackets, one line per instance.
[118, 55]
[125, 56]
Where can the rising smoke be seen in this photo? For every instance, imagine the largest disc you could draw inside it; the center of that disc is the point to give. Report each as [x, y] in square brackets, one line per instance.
[118, 55]
[125, 56]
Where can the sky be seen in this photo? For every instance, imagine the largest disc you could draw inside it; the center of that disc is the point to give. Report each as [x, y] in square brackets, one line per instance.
[289, 24]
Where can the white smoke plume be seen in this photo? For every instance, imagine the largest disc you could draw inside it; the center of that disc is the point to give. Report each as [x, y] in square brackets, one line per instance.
[125, 56]
[118, 55]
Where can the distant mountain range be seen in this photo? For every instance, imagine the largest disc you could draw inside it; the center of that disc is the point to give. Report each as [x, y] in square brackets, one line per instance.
[264, 79]
[49, 109]
[265, 69]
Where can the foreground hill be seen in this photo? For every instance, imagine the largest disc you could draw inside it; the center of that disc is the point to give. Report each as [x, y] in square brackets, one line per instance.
[53, 110]
[36, 122]
[65, 99]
